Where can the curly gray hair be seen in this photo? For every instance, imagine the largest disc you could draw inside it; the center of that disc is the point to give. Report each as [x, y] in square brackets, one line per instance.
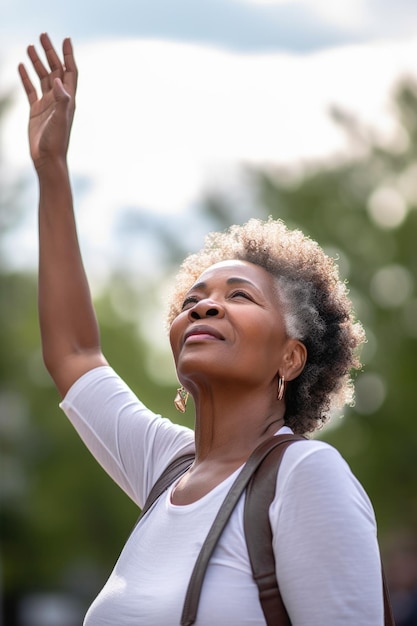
[317, 311]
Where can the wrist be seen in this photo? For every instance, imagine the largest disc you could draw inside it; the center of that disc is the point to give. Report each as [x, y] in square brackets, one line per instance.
[51, 168]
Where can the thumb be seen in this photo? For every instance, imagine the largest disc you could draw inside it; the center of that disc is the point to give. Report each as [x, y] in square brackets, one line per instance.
[59, 92]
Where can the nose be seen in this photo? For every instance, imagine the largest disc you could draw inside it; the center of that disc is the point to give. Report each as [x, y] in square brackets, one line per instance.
[205, 308]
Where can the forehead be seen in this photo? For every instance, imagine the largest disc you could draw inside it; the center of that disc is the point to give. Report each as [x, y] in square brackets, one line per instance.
[236, 269]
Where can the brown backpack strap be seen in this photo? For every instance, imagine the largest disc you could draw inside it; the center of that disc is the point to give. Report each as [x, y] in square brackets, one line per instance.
[167, 478]
[259, 495]
[196, 581]
[260, 481]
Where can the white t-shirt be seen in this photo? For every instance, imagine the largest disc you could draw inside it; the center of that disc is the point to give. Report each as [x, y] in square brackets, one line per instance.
[324, 531]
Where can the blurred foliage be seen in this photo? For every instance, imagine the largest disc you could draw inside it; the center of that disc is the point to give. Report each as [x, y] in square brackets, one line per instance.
[364, 213]
[62, 521]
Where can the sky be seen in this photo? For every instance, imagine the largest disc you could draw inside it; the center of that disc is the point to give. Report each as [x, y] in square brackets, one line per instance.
[177, 96]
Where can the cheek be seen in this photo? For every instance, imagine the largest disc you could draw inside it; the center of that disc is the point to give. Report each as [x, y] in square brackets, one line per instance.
[173, 342]
[175, 332]
[270, 341]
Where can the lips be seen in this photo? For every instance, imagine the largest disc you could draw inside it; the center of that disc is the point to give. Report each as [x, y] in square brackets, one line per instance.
[203, 330]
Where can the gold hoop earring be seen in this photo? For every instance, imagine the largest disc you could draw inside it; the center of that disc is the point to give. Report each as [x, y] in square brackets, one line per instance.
[180, 400]
[281, 388]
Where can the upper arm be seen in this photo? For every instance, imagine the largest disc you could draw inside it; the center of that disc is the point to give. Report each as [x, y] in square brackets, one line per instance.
[327, 555]
[72, 367]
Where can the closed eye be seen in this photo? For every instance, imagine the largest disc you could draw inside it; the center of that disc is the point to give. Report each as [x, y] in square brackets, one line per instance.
[241, 294]
[188, 301]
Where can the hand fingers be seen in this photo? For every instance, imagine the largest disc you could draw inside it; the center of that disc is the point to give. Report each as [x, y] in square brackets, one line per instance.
[39, 68]
[52, 57]
[66, 73]
[68, 53]
[27, 84]
[69, 61]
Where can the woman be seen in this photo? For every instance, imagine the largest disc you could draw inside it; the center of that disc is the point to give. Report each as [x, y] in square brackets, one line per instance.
[263, 337]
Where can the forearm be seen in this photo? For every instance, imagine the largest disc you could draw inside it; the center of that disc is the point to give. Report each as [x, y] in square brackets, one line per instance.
[67, 319]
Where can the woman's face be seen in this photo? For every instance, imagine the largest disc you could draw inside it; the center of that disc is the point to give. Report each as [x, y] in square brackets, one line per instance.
[231, 327]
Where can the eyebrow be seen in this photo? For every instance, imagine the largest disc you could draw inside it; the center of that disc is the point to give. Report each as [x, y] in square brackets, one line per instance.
[230, 281]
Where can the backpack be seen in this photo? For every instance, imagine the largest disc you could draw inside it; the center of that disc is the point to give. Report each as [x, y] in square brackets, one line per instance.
[258, 477]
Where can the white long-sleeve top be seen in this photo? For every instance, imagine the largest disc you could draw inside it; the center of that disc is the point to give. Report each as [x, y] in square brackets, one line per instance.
[324, 530]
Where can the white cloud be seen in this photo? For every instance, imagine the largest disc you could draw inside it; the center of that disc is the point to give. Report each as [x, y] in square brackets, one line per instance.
[348, 14]
[345, 13]
[270, 2]
[156, 121]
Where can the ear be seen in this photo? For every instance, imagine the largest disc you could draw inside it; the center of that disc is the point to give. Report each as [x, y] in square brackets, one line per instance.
[294, 360]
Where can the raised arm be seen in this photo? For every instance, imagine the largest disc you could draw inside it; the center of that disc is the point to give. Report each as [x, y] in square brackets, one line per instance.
[69, 330]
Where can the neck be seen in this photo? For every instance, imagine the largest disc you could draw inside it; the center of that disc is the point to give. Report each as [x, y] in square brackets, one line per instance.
[231, 424]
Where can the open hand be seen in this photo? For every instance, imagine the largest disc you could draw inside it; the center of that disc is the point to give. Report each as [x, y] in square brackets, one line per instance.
[51, 115]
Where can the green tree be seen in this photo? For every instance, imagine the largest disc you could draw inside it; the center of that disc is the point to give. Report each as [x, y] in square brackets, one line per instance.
[62, 520]
[364, 212]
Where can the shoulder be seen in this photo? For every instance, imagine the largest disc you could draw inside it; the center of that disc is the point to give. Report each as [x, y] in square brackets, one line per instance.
[314, 473]
[312, 451]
